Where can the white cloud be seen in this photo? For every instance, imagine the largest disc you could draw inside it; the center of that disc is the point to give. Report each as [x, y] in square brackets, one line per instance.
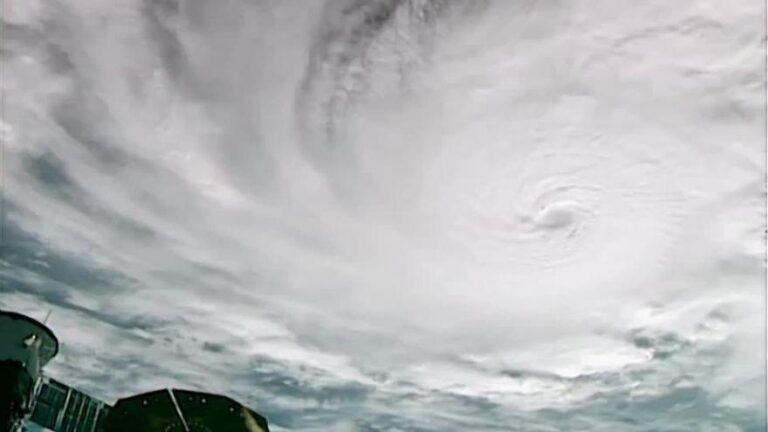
[527, 205]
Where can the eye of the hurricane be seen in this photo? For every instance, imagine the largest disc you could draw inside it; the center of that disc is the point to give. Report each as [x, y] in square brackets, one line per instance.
[576, 204]
[556, 216]
[548, 218]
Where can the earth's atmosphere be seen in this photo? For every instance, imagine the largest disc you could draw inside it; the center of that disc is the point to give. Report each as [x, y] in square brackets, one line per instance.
[396, 215]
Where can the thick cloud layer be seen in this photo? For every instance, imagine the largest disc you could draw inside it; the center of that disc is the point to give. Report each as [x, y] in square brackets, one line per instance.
[392, 215]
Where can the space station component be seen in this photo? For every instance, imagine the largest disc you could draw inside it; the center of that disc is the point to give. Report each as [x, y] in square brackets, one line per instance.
[26, 345]
[173, 410]
[59, 407]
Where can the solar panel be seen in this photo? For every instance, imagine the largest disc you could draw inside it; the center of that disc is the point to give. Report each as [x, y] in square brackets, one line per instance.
[61, 408]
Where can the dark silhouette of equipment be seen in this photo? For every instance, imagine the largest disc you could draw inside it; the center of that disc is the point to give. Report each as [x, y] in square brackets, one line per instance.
[59, 407]
[27, 345]
[182, 411]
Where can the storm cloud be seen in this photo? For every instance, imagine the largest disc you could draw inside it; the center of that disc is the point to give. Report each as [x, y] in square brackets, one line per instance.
[393, 215]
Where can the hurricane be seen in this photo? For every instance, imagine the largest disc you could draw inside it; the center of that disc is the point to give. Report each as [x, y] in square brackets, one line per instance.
[396, 215]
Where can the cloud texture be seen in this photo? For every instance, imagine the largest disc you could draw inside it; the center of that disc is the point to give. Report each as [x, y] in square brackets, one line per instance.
[393, 215]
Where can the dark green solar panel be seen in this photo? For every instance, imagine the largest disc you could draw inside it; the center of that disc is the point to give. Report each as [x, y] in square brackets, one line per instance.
[61, 408]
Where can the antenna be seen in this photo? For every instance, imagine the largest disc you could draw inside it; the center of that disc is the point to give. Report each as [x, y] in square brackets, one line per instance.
[48, 315]
[178, 410]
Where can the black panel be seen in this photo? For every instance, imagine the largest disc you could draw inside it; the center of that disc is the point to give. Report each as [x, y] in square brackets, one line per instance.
[223, 412]
[200, 412]
[145, 412]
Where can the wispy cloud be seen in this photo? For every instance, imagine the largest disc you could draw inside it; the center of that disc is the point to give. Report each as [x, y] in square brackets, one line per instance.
[396, 215]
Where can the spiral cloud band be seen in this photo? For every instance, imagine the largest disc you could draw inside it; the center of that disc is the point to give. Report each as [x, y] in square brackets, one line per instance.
[391, 215]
